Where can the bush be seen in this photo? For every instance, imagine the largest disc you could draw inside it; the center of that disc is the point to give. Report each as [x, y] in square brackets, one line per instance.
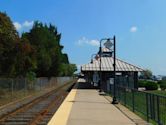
[142, 83]
[162, 84]
[151, 85]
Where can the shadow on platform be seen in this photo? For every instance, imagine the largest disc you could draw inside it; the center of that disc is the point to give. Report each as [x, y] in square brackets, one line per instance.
[85, 85]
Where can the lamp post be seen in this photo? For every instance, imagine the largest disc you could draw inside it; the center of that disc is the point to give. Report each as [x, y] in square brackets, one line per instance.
[114, 101]
[109, 44]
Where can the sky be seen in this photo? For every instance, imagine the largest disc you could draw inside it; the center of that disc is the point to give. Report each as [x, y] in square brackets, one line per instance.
[139, 27]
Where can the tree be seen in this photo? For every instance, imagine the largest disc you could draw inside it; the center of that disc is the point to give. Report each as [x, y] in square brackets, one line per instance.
[67, 69]
[37, 52]
[49, 56]
[147, 74]
[8, 46]
[26, 61]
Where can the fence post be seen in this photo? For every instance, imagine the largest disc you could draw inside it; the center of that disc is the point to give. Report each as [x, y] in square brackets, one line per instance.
[40, 83]
[125, 96]
[152, 107]
[50, 83]
[147, 107]
[25, 87]
[158, 111]
[133, 99]
[12, 90]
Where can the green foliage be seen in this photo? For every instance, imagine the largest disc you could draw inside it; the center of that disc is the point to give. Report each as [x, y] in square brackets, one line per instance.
[8, 46]
[141, 83]
[38, 51]
[147, 74]
[31, 76]
[67, 69]
[25, 59]
[151, 85]
[162, 84]
[46, 41]
[72, 68]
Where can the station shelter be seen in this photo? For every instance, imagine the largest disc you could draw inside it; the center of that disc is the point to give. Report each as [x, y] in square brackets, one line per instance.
[126, 73]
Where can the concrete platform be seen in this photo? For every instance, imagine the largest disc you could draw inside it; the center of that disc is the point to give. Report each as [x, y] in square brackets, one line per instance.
[86, 107]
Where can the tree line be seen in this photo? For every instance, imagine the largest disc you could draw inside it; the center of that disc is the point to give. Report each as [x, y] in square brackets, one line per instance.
[37, 52]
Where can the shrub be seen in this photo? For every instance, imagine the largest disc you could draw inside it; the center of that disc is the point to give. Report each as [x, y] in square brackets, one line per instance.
[142, 83]
[162, 84]
[151, 85]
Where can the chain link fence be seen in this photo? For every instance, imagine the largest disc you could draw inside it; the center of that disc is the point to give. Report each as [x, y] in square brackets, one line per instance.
[14, 89]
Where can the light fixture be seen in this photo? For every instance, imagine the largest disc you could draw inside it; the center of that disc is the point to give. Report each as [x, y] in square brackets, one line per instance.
[108, 44]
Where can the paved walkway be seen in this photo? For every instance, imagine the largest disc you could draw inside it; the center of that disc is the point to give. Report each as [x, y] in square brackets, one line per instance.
[86, 107]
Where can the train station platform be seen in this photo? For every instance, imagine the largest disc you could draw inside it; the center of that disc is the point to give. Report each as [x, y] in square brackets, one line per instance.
[85, 106]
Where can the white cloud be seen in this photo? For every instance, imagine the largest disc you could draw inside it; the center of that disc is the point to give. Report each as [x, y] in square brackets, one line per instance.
[28, 24]
[94, 42]
[17, 25]
[25, 24]
[82, 41]
[133, 29]
[85, 41]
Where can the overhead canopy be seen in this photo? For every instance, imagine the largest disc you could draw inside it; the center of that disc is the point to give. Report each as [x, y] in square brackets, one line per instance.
[107, 65]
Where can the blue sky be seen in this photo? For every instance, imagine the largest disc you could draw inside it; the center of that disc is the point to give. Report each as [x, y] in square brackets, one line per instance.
[139, 26]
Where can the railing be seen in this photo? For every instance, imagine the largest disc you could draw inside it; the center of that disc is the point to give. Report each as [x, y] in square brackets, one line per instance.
[151, 106]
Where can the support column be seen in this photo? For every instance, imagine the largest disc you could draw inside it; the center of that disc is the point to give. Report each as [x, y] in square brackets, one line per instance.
[135, 80]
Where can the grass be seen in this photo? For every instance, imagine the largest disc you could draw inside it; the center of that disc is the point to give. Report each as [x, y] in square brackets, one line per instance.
[125, 96]
[158, 92]
[7, 96]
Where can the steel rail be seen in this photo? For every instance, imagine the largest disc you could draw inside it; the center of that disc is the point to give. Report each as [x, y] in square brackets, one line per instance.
[38, 110]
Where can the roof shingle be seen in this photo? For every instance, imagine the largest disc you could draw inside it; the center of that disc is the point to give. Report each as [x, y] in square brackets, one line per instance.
[107, 65]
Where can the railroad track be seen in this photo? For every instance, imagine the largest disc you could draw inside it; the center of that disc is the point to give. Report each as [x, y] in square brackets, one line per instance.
[37, 112]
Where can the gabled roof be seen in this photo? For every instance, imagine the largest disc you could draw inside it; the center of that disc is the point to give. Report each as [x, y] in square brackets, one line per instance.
[107, 65]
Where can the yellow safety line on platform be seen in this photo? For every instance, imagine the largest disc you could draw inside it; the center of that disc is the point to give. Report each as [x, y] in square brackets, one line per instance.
[62, 114]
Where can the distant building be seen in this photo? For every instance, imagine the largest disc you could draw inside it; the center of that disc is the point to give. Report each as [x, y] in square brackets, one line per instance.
[159, 78]
[163, 77]
[126, 74]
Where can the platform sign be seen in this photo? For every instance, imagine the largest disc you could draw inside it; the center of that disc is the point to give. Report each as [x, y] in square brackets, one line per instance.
[111, 80]
[118, 73]
[108, 44]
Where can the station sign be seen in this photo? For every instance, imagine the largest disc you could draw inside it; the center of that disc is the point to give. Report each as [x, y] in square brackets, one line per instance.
[108, 44]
